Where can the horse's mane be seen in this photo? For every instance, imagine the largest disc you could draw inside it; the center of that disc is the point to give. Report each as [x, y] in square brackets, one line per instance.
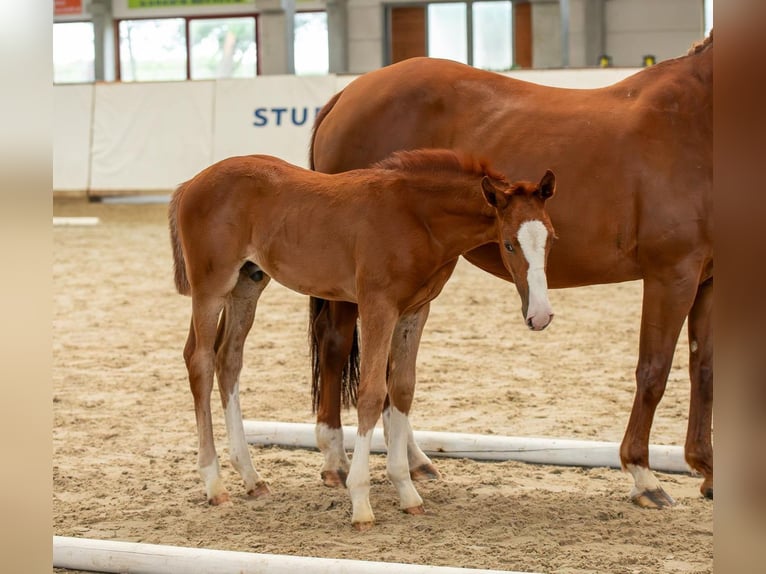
[698, 47]
[430, 160]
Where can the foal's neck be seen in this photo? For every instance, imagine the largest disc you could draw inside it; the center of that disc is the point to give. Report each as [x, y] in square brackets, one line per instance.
[456, 213]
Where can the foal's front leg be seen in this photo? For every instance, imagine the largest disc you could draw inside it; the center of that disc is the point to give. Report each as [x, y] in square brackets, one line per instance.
[377, 325]
[401, 388]
[235, 324]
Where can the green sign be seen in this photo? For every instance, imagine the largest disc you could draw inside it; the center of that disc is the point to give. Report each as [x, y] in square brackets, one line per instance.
[171, 3]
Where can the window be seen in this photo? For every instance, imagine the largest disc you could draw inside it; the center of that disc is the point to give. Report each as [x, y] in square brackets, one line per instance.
[310, 49]
[478, 33]
[492, 26]
[448, 32]
[708, 4]
[222, 48]
[153, 49]
[73, 52]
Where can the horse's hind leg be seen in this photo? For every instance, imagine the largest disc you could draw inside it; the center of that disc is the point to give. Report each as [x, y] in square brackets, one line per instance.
[199, 355]
[699, 448]
[235, 324]
[667, 302]
[334, 330]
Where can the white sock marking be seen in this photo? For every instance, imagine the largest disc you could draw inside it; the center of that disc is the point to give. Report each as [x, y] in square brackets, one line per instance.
[358, 481]
[330, 444]
[398, 467]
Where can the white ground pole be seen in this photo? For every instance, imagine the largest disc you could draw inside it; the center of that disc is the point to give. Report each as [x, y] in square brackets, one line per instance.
[556, 451]
[139, 558]
[62, 221]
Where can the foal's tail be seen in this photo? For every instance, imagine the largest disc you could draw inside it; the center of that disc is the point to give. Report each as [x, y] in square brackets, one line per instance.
[179, 265]
[350, 376]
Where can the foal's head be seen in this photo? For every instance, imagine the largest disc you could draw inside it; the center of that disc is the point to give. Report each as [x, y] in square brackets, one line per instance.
[525, 234]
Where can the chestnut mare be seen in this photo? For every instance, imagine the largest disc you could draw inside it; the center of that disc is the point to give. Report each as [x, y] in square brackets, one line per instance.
[385, 238]
[635, 162]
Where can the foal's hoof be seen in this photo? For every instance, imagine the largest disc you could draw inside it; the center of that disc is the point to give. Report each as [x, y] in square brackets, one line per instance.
[219, 499]
[653, 499]
[415, 510]
[260, 489]
[425, 472]
[363, 526]
[707, 488]
[334, 478]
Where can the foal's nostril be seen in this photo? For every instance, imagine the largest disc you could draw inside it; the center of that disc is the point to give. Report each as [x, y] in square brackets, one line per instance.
[529, 323]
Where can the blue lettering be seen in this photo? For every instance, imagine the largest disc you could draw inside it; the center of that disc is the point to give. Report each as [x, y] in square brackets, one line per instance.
[298, 116]
[302, 121]
[260, 117]
[278, 112]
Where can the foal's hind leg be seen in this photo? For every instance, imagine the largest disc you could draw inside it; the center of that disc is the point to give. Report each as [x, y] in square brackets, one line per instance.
[334, 328]
[199, 355]
[235, 324]
[699, 448]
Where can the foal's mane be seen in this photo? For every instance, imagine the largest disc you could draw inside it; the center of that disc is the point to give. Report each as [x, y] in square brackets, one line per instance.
[438, 160]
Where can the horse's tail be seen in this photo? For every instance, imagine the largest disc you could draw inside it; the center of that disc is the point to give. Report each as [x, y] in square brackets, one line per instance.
[179, 265]
[350, 374]
[326, 109]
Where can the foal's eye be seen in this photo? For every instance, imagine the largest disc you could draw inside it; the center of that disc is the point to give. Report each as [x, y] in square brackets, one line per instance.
[508, 246]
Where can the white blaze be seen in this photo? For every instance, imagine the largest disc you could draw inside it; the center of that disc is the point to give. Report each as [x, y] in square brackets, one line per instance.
[533, 236]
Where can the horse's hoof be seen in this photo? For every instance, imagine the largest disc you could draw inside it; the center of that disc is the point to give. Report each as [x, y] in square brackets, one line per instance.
[260, 489]
[219, 499]
[334, 478]
[653, 499]
[425, 472]
[707, 488]
[415, 510]
[363, 526]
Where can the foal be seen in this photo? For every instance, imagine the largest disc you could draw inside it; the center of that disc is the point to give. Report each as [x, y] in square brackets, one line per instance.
[386, 238]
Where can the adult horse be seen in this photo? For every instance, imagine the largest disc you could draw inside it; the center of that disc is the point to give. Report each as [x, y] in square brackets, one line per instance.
[635, 162]
[386, 238]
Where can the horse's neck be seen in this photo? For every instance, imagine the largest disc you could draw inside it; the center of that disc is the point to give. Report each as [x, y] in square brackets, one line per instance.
[686, 81]
[701, 66]
[693, 72]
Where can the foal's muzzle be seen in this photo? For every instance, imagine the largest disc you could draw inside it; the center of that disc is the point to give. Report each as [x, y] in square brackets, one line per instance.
[539, 322]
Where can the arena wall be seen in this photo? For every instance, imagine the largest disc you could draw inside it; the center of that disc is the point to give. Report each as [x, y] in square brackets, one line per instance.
[144, 137]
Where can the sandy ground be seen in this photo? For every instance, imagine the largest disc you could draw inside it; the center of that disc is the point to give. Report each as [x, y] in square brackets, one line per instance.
[124, 440]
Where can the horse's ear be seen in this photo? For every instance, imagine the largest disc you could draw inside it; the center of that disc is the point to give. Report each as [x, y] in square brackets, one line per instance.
[494, 196]
[548, 185]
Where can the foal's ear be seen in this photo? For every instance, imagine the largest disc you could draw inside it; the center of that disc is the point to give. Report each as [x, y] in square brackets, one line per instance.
[548, 185]
[494, 196]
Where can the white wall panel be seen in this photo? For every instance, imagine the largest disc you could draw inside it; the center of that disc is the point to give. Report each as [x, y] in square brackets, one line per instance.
[72, 121]
[150, 135]
[153, 136]
[573, 78]
[271, 115]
